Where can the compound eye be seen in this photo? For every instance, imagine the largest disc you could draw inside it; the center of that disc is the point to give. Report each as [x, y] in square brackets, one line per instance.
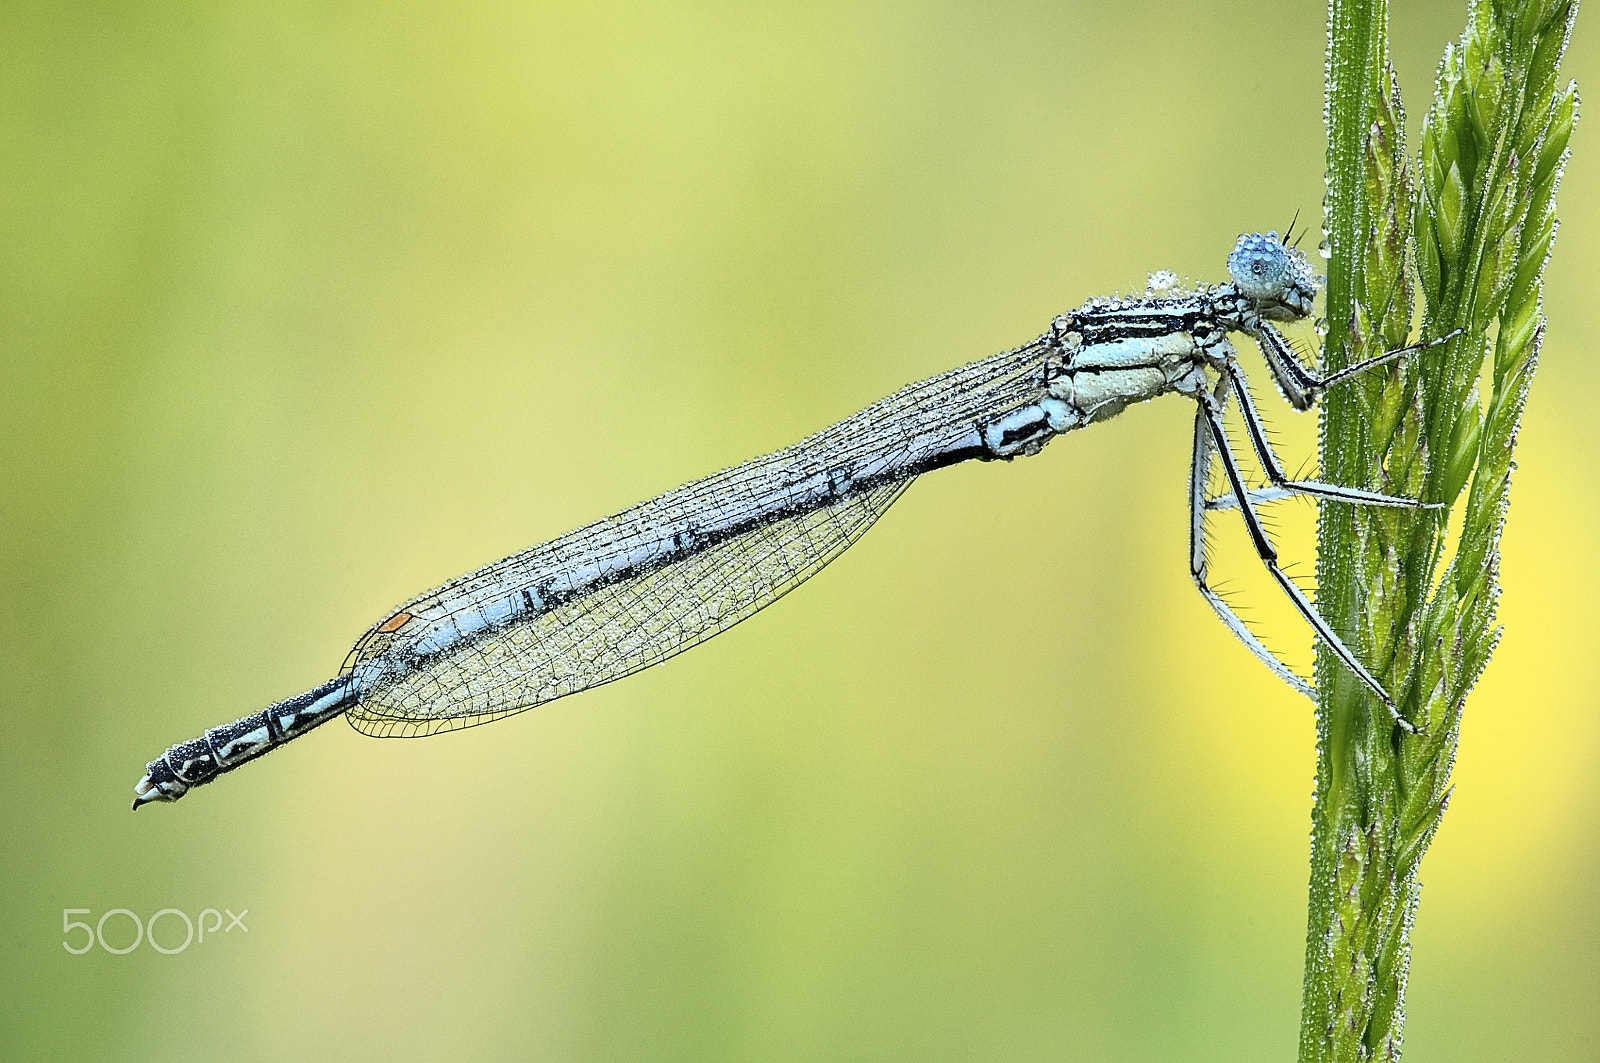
[1261, 267]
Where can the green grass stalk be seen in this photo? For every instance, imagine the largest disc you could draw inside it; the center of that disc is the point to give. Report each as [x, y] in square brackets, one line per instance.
[1461, 234]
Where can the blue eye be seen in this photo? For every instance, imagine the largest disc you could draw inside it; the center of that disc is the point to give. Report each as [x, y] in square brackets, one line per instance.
[1271, 275]
[1261, 267]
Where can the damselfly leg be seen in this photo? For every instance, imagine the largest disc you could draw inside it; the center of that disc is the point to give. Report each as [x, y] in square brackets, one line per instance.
[1299, 384]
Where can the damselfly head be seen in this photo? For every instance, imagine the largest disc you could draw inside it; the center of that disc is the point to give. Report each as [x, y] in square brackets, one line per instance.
[1276, 278]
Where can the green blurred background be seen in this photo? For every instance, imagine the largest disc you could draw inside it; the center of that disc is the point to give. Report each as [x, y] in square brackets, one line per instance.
[304, 309]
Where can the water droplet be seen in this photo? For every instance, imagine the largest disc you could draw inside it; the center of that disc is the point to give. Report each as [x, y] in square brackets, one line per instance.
[1320, 326]
[1163, 280]
[1325, 249]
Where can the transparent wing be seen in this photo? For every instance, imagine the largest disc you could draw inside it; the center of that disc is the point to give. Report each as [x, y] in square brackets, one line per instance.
[631, 590]
[616, 629]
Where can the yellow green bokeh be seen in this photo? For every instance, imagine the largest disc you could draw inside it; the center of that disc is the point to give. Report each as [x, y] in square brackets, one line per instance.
[306, 308]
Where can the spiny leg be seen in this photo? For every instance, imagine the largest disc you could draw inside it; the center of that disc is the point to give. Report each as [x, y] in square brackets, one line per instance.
[1301, 384]
[1258, 495]
[1274, 470]
[1209, 421]
[1199, 469]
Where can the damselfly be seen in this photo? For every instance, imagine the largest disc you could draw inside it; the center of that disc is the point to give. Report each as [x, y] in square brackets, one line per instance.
[632, 590]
